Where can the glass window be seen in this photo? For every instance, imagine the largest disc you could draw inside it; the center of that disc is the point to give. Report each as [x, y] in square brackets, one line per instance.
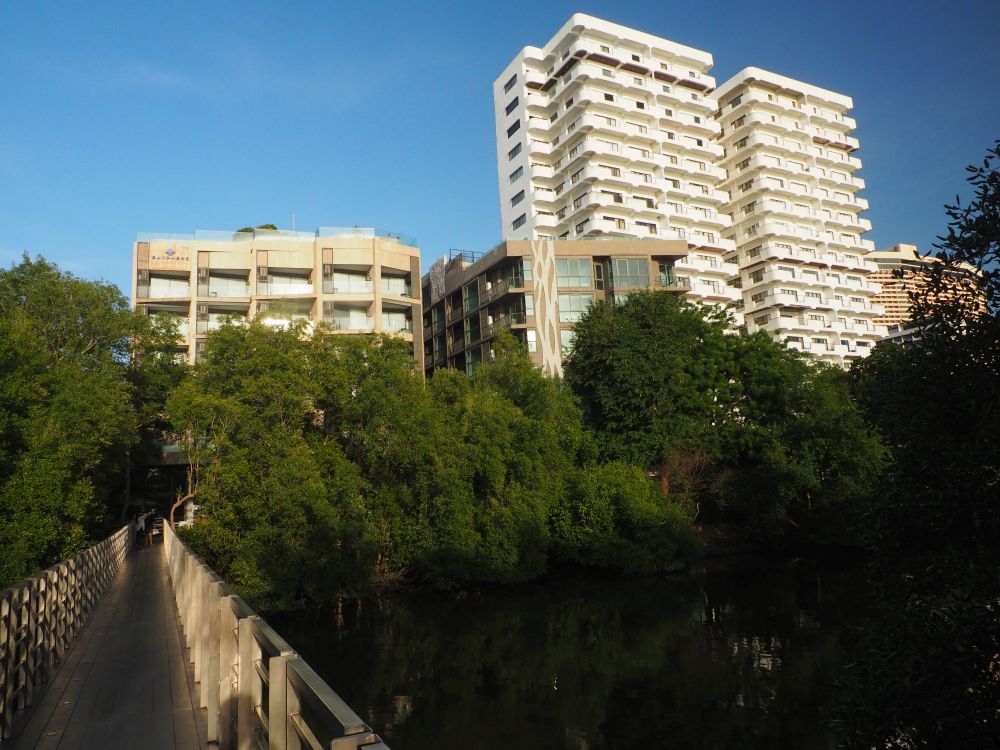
[514, 152]
[511, 106]
[572, 306]
[598, 276]
[573, 272]
[519, 221]
[510, 84]
[629, 272]
[666, 275]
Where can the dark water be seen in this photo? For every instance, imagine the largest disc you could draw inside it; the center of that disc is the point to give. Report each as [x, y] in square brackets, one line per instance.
[735, 658]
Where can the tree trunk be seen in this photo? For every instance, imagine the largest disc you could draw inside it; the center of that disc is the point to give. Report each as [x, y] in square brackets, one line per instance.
[176, 505]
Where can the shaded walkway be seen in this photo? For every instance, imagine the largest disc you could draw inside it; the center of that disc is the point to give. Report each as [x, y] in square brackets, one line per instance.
[126, 682]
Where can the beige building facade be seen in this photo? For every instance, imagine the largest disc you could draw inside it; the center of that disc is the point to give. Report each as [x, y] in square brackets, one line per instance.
[537, 289]
[902, 271]
[353, 280]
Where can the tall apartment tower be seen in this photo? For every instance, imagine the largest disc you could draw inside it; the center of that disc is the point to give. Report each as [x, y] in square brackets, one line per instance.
[803, 268]
[353, 280]
[607, 132]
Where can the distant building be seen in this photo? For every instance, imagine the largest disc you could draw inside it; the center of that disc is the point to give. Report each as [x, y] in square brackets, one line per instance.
[902, 271]
[354, 280]
[805, 271]
[608, 132]
[536, 289]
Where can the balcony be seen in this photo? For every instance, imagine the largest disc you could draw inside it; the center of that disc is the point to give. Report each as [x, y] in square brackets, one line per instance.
[228, 290]
[167, 287]
[503, 323]
[348, 284]
[346, 322]
[396, 286]
[396, 322]
[495, 292]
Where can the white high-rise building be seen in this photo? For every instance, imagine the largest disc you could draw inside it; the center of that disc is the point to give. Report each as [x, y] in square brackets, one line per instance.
[795, 215]
[607, 132]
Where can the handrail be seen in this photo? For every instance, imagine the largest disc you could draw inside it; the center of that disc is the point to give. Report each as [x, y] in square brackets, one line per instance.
[42, 615]
[257, 690]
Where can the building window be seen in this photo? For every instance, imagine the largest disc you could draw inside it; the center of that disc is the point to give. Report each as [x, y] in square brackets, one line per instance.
[605, 49]
[629, 272]
[573, 272]
[607, 73]
[735, 101]
[609, 97]
[640, 105]
[637, 81]
[513, 128]
[514, 152]
[635, 58]
[517, 198]
[517, 174]
[573, 306]
[598, 276]
[510, 84]
[512, 106]
[566, 337]
[519, 221]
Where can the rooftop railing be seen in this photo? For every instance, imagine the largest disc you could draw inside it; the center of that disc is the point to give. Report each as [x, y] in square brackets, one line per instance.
[214, 235]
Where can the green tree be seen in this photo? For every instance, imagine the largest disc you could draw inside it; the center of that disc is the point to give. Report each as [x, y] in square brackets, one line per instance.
[739, 427]
[928, 672]
[272, 227]
[654, 379]
[67, 417]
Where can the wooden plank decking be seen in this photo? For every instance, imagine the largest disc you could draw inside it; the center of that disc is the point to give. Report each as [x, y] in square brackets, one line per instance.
[126, 682]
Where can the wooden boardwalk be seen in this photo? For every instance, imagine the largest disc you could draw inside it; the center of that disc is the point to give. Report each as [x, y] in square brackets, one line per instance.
[126, 682]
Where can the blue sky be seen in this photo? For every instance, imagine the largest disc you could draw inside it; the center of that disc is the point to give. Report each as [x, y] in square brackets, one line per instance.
[125, 117]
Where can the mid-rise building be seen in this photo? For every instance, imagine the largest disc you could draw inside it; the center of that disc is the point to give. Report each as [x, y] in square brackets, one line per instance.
[353, 280]
[608, 132]
[804, 269]
[536, 289]
[903, 272]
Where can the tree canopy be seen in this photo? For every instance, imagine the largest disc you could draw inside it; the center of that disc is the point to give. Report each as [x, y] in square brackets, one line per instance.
[325, 463]
[929, 670]
[740, 425]
[68, 413]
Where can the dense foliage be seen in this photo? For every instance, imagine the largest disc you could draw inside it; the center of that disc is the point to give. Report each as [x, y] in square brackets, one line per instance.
[68, 413]
[929, 675]
[324, 463]
[745, 428]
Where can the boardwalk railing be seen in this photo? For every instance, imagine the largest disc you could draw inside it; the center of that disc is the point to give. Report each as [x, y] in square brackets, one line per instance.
[40, 617]
[257, 690]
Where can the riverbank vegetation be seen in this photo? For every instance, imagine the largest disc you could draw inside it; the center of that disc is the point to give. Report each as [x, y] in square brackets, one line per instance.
[325, 464]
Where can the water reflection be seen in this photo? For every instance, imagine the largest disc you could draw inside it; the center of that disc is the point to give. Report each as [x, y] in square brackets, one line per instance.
[724, 659]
